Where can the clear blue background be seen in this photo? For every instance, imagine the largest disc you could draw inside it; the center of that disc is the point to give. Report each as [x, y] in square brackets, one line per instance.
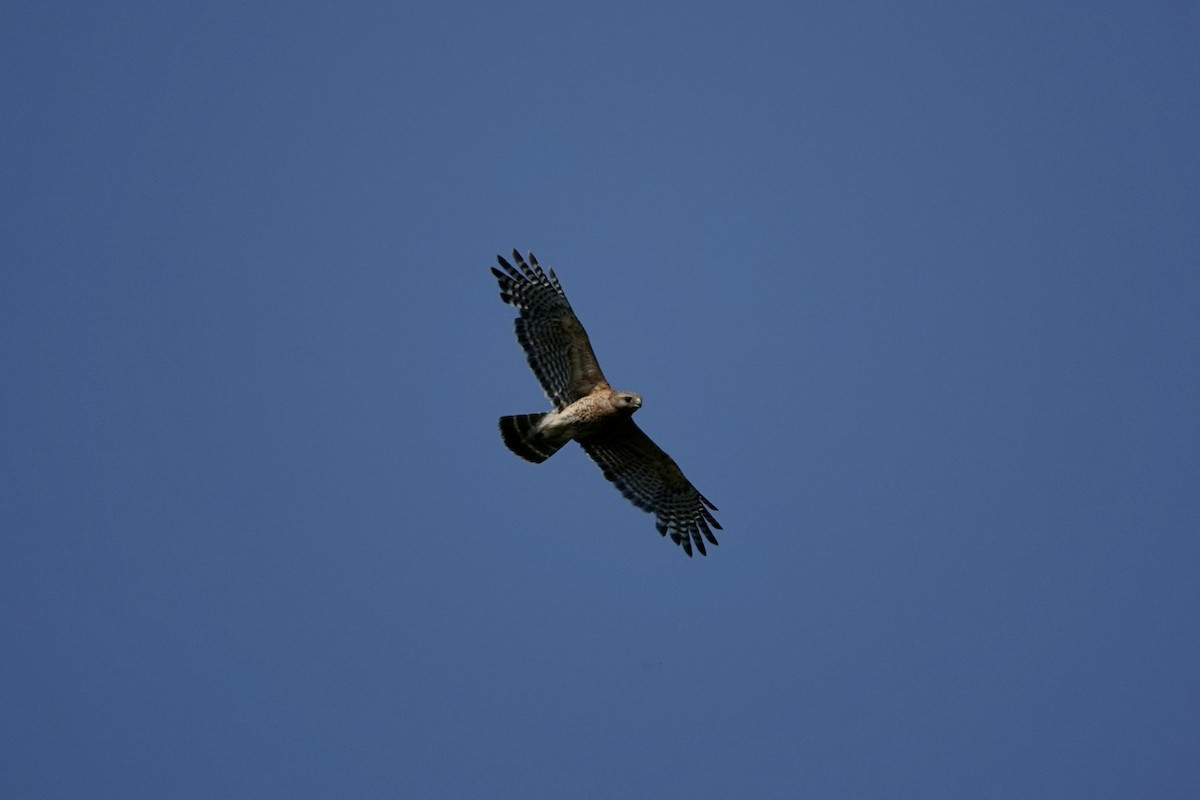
[911, 290]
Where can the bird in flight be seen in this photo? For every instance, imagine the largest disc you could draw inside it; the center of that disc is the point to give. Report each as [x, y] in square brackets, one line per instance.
[588, 410]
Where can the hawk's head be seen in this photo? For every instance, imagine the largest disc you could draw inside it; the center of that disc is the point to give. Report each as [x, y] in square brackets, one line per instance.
[627, 401]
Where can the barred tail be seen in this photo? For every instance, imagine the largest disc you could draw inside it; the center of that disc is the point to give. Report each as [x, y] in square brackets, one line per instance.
[520, 435]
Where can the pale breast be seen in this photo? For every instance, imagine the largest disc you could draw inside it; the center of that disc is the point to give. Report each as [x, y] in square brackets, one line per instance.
[586, 414]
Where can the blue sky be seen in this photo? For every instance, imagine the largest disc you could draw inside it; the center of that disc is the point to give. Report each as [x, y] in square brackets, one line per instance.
[910, 291]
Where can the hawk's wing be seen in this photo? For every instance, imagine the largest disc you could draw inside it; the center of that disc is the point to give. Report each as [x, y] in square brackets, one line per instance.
[554, 340]
[653, 482]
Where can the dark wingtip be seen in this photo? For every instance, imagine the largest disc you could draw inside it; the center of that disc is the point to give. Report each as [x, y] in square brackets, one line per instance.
[710, 518]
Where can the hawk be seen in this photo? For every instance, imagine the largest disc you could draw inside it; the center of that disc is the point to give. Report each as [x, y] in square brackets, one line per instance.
[588, 410]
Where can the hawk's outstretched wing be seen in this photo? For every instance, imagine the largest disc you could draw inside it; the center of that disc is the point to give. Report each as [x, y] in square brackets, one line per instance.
[559, 352]
[653, 482]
